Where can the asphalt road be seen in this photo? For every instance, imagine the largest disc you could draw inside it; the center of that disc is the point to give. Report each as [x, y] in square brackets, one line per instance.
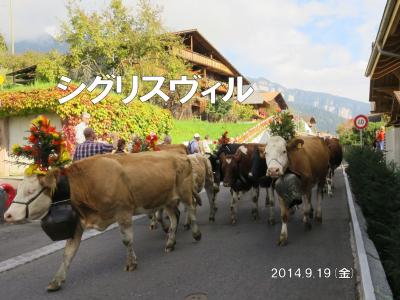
[230, 262]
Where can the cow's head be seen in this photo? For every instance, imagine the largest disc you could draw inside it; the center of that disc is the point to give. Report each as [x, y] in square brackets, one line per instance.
[230, 166]
[276, 154]
[33, 197]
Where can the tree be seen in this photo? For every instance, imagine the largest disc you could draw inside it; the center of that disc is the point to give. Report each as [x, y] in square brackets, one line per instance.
[117, 42]
[218, 110]
[3, 45]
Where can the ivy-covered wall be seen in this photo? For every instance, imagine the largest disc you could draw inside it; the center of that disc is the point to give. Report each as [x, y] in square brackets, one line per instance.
[109, 115]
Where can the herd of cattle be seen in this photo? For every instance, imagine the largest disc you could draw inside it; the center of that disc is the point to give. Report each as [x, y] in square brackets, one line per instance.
[110, 188]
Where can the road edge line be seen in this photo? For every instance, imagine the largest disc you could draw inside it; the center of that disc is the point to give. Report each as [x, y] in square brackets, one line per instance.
[365, 273]
[30, 256]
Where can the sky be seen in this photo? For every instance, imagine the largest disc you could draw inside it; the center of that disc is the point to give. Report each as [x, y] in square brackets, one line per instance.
[319, 46]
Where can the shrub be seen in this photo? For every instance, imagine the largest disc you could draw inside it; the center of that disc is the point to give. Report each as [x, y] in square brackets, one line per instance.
[377, 189]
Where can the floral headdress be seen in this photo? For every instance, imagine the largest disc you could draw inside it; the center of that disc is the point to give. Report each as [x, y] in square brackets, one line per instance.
[224, 139]
[149, 143]
[46, 147]
[282, 124]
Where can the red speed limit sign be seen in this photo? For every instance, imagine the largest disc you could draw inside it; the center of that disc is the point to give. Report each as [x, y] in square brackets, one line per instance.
[361, 122]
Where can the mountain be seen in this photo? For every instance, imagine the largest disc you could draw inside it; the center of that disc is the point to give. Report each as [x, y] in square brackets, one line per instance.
[43, 43]
[329, 110]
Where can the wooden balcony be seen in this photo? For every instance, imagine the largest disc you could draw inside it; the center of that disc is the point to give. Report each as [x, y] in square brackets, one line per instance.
[203, 60]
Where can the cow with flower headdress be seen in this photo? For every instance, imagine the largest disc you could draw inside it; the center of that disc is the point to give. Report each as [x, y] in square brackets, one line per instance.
[101, 189]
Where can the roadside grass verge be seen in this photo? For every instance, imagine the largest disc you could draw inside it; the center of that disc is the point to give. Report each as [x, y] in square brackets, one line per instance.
[184, 130]
[377, 190]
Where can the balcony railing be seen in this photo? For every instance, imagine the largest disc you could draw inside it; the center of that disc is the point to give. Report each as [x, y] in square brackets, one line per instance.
[204, 61]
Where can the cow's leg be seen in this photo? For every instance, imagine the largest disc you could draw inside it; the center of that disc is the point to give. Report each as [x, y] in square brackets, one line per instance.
[126, 229]
[186, 224]
[211, 192]
[271, 204]
[171, 212]
[320, 195]
[307, 210]
[160, 219]
[234, 200]
[329, 182]
[71, 247]
[193, 221]
[153, 221]
[254, 212]
[284, 218]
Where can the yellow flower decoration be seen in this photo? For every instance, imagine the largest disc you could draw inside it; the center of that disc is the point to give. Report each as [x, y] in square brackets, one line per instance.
[14, 148]
[64, 156]
[33, 169]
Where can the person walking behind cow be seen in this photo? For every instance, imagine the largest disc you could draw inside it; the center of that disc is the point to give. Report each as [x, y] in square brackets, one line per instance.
[380, 137]
[121, 147]
[194, 145]
[89, 147]
[79, 136]
[167, 140]
[205, 145]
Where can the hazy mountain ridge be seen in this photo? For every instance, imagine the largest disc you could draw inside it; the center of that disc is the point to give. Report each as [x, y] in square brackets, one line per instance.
[329, 110]
[43, 43]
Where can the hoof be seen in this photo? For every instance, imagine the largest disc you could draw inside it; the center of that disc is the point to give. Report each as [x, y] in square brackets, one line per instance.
[152, 227]
[170, 247]
[307, 226]
[197, 236]
[282, 242]
[233, 221]
[318, 219]
[271, 222]
[53, 286]
[211, 219]
[186, 226]
[130, 267]
[166, 229]
[255, 214]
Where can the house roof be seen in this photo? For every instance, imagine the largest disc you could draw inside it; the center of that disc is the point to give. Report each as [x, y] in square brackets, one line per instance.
[216, 54]
[267, 97]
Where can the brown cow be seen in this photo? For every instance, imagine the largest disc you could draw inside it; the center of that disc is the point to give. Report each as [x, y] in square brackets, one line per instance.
[335, 159]
[202, 178]
[177, 148]
[158, 216]
[307, 157]
[111, 188]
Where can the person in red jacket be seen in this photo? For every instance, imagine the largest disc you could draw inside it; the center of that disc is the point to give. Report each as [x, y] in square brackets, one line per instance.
[380, 138]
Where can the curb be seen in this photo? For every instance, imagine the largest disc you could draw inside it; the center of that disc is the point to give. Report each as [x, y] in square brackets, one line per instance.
[373, 281]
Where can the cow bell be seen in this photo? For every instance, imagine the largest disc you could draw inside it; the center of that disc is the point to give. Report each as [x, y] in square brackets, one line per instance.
[288, 187]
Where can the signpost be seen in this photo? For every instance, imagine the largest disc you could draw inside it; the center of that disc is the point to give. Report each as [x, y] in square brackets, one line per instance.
[361, 122]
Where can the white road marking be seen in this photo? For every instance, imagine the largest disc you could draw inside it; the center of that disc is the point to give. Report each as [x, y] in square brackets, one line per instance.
[30, 256]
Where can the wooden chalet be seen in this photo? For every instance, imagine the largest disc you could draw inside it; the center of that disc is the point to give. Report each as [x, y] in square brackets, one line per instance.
[265, 103]
[384, 72]
[209, 63]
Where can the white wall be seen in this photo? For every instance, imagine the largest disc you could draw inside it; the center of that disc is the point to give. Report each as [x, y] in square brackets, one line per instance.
[392, 145]
[18, 127]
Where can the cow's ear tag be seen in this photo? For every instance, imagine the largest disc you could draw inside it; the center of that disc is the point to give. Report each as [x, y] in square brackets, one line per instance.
[299, 145]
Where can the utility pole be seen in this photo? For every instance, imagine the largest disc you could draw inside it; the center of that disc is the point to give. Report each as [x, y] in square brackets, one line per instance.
[12, 29]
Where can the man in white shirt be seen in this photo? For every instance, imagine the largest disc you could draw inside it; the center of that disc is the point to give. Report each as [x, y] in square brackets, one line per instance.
[79, 136]
[205, 145]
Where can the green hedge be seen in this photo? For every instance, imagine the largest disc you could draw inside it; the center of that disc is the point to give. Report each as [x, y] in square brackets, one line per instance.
[377, 189]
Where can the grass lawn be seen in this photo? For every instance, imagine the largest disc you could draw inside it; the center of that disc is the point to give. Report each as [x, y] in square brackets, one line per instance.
[184, 130]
